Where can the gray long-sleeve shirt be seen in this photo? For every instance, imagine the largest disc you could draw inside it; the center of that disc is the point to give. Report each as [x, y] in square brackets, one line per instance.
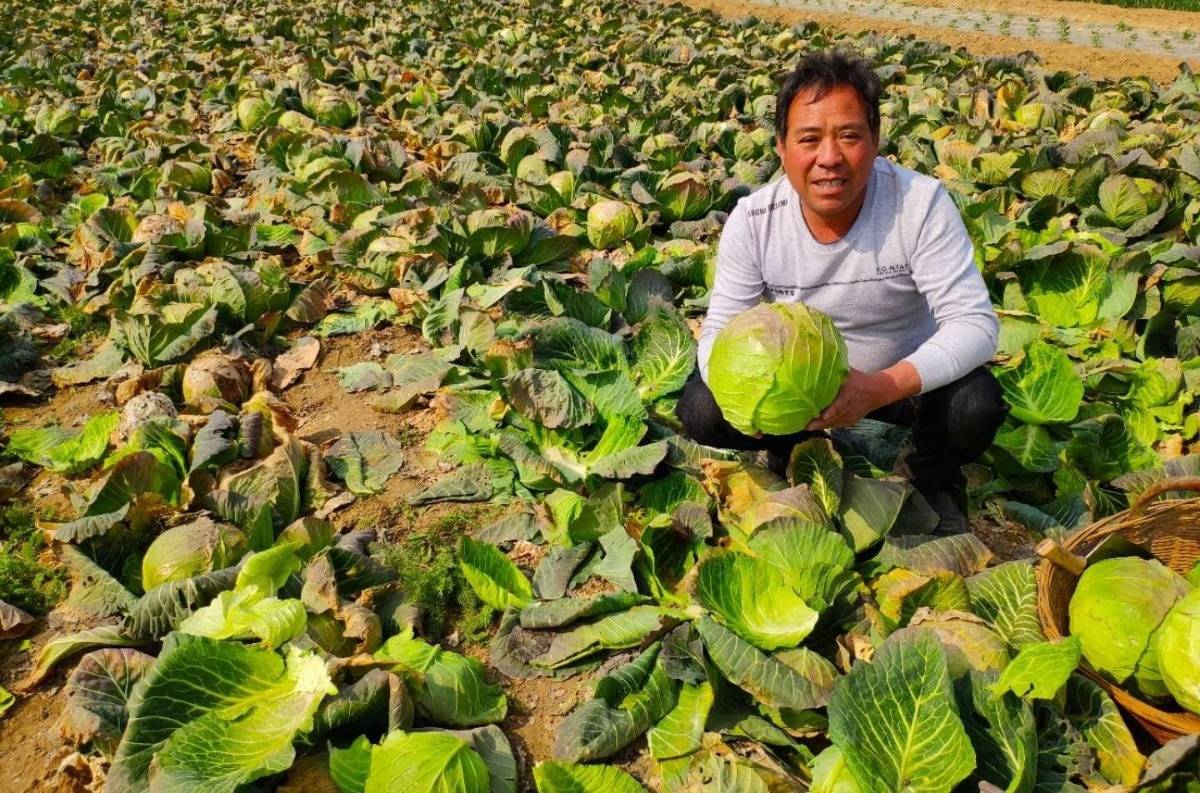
[900, 285]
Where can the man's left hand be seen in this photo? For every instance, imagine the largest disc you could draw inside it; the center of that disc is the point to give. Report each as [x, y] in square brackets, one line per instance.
[865, 392]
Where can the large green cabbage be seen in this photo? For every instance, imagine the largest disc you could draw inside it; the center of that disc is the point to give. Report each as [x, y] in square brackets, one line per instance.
[609, 223]
[495, 232]
[331, 107]
[252, 112]
[214, 716]
[1116, 609]
[775, 367]
[191, 549]
[753, 599]
[1178, 645]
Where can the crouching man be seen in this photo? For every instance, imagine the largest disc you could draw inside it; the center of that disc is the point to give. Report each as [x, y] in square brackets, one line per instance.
[883, 252]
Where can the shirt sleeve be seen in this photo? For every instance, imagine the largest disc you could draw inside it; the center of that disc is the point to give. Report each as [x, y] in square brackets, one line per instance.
[738, 284]
[943, 267]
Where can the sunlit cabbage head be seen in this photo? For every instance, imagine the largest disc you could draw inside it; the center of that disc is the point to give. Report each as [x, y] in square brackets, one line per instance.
[1124, 200]
[494, 232]
[1034, 114]
[609, 223]
[1117, 607]
[507, 37]
[775, 367]
[532, 168]
[663, 151]
[331, 108]
[215, 380]
[753, 144]
[252, 112]
[190, 550]
[541, 191]
[684, 196]
[563, 183]
[187, 175]
[1178, 646]
[294, 121]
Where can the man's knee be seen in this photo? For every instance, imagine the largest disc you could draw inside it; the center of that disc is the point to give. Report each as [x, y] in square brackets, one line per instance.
[975, 410]
[699, 413]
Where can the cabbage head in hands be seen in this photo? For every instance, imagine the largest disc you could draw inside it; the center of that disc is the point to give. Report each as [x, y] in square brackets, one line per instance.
[775, 367]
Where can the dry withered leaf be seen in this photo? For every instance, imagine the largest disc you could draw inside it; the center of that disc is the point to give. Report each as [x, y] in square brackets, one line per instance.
[290, 365]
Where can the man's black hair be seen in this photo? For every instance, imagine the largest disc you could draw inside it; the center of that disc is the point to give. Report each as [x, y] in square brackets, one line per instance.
[824, 70]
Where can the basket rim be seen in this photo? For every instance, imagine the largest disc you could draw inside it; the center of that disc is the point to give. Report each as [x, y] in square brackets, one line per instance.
[1180, 722]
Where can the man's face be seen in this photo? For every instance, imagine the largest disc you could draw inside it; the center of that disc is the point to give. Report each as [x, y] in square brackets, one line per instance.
[829, 151]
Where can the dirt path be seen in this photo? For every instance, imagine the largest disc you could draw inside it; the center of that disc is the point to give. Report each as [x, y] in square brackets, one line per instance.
[1044, 21]
[1083, 12]
[1153, 46]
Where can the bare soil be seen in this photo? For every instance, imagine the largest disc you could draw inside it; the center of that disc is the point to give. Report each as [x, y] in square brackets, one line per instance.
[1100, 63]
[70, 408]
[1087, 13]
[33, 755]
[1007, 540]
[535, 707]
[325, 410]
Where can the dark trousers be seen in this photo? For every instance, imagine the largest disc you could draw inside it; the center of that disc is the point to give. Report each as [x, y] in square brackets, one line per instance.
[951, 426]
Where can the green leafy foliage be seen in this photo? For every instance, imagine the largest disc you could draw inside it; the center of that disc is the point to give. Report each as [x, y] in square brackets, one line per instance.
[1003, 731]
[98, 692]
[250, 609]
[447, 687]
[1041, 669]
[365, 460]
[25, 581]
[216, 714]
[906, 686]
[772, 682]
[615, 631]
[680, 731]
[626, 703]
[425, 761]
[552, 777]
[62, 450]
[753, 599]
[434, 581]
[494, 578]
[1095, 715]
[1006, 596]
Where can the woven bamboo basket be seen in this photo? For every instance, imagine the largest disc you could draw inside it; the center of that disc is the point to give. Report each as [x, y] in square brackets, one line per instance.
[1170, 529]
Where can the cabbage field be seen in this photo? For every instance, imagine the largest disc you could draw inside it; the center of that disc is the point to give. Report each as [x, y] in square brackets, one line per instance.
[199, 201]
